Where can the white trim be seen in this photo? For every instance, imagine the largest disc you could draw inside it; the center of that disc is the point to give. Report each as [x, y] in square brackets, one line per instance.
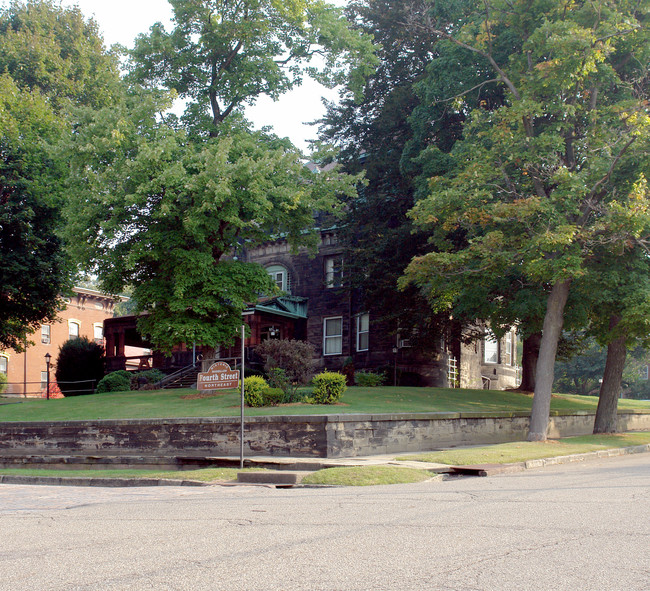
[332, 337]
[74, 322]
[365, 332]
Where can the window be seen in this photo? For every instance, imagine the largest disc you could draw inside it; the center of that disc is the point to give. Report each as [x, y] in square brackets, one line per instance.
[73, 329]
[4, 364]
[643, 372]
[334, 271]
[333, 336]
[490, 350]
[45, 334]
[44, 380]
[510, 354]
[280, 276]
[98, 332]
[363, 332]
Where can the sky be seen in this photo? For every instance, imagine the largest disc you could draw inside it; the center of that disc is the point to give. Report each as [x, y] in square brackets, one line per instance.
[120, 21]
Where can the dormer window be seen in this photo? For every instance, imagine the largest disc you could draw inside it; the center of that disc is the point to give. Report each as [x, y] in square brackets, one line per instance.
[280, 277]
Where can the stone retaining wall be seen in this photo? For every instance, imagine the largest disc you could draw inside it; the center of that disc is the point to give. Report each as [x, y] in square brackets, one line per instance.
[327, 436]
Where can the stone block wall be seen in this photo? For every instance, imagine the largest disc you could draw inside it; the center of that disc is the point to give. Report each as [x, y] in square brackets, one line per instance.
[316, 436]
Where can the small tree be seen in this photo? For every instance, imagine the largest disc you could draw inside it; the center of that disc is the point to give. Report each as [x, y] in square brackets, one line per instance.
[295, 358]
[79, 367]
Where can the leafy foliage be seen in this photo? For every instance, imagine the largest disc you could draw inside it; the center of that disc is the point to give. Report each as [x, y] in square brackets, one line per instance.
[294, 358]
[544, 179]
[79, 366]
[50, 59]
[368, 379]
[329, 386]
[254, 389]
[221, 55]
[116, 381]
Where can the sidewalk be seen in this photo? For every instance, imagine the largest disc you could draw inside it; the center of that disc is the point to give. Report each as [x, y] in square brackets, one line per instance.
[284, 472]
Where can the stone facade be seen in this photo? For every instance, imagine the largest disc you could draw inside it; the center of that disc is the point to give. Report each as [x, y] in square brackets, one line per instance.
[326, 436]
[356, 336]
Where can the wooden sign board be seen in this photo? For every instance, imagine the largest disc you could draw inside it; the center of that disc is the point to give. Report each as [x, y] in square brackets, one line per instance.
[218, 377]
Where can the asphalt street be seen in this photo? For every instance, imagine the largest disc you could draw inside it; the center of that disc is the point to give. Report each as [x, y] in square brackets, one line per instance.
[569, 527]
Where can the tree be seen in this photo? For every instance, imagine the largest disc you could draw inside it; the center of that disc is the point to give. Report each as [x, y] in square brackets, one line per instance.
[152, 210]
[223, 54]
[164, 207]
[295, 359]
[50, 58]
[539, 180]
[79, 366]
[34, 270]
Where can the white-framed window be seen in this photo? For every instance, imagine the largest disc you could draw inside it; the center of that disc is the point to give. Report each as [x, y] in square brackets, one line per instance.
[4, 364]
[644, 372]
[46, 334]
[44, 379]
[98, 331]
[280, 276]
[73, 328]
[333, 336]
[490, 350]
[334, 271]
[363, 332]
[509, 345]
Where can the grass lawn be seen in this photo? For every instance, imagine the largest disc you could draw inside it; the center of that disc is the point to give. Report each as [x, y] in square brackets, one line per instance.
[200, 474]
[367, 476]
[175, 403]
[520, 451]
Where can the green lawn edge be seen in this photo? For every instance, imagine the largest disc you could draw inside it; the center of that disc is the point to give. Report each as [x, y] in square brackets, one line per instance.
[522, 451]
[382, 400]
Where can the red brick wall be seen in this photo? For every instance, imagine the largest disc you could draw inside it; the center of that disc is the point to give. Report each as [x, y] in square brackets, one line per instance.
[87, 308]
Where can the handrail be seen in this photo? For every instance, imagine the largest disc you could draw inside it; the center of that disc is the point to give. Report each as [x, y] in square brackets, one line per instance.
[177, 374]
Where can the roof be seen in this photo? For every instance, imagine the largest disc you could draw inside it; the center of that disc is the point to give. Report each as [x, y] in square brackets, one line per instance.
[288, 306]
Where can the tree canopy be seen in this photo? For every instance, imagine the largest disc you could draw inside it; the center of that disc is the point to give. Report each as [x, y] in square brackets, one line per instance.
[50, 59]
[541, 181]
[223, 54]
[166, 207]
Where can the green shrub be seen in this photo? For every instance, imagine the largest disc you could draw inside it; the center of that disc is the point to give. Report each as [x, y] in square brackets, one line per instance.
[328, 387]
[272, 397]
[116, 381]
[79, 366]
[254, 388]
[277, 378]
[294, 358]
[367, 379]
[139, 379]
[3, 383]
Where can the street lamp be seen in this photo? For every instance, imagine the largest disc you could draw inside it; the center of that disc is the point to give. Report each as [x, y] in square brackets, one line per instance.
[48, 357]
[395, 366]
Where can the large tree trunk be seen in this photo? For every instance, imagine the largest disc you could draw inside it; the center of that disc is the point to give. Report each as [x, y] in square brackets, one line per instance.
[551, 331]
[612, 378]
[529, 357]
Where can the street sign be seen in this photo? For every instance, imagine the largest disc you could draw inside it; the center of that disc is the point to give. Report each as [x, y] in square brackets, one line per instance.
[218, 377]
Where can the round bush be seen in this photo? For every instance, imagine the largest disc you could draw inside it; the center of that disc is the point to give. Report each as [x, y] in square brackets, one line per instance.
[79, 366]
[117, 381]
[254, 388]
[3, 383]
[273, 396]
[147, 377]
[367, 379]
[328, 387]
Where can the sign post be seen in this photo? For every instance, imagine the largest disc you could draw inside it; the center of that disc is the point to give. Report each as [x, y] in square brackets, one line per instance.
[241, 434]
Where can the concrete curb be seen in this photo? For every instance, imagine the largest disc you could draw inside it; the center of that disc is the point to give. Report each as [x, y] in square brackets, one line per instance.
[592, 455]
[494, 469]
[482, 470]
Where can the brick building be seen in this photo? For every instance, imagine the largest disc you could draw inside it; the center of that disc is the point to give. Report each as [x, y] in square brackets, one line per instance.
[83, 316]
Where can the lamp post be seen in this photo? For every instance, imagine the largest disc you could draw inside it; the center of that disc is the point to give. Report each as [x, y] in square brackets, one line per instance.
[394, 366]
[48, 357]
